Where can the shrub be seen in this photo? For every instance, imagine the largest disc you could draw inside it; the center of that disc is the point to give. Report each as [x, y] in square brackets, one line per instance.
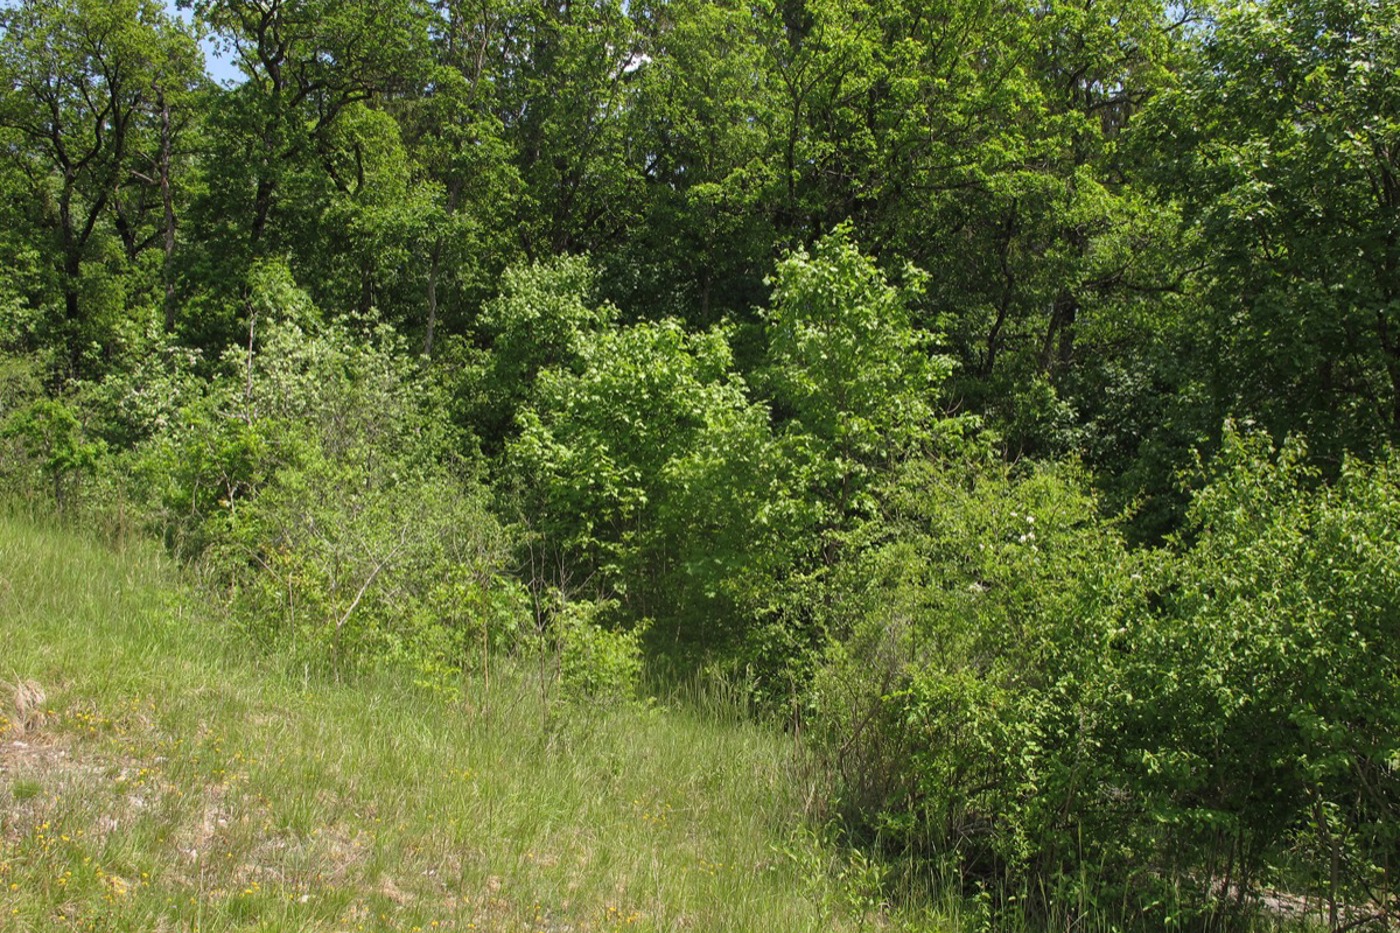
[1262, 714]
[963, 702]
[1012, 695]
[318, 483]
[643, 469]
[52, 442]
[597, 665]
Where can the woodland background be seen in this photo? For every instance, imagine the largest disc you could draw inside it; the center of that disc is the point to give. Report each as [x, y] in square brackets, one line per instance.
[1000, 397]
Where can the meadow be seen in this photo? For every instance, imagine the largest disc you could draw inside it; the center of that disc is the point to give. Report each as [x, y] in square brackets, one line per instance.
[169, 779]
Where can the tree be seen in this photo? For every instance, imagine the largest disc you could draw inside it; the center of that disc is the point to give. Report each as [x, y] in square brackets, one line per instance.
[1261, 702]
[962, 695]
[542, 319]
[1282, 144]
[92, 96]
[52, 436]
[618, 452]
[456, 136]
[848, 370]
[292, 139]
[1049, 260]
[376, 222]
[565, 89]
[700, 132]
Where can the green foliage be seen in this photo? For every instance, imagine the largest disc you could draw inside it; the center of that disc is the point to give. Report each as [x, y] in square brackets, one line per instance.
[344, 566]
[542, 317]
[622, 450]
[314, 481]
[432, 263]
[300, 162]
[89, 113]
[563, 92]
[1164, 731]
[597, 665]
[854, 384]
[845, 361]
[51, 435]
[150, 378]
[960, 705]
[456, 137]
[819, 857]
[853, 381]
[20, 387]
[704, 106]
[649, 477]
[1264, 699]
[1280, 141]
[377, 220]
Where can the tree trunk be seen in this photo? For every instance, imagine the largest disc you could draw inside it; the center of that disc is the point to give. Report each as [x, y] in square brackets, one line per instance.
[167, 198]
[1390, 351]
[434, 268]
[262, 207]
[72, 310]
[1057, 351]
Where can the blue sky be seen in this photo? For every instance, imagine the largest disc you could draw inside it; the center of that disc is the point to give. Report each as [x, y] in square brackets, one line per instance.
[219, 68]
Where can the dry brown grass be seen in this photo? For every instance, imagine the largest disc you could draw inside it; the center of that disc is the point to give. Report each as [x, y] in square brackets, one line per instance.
[29, 700]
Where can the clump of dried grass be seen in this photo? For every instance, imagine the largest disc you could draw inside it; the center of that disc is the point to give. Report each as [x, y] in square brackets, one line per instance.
[29, 700]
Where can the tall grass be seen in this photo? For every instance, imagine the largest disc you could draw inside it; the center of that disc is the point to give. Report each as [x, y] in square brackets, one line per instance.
[177, 784]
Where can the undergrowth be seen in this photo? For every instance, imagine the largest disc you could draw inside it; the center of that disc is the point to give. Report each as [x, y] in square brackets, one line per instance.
[174, 780]
[160, 774]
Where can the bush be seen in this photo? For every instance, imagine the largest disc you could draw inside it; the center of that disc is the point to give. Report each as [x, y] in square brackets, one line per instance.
[318, 483]
[597, 665]
[1012, 695]
[643, 470]
[1262, 714]
[50, 448]
[962, 706]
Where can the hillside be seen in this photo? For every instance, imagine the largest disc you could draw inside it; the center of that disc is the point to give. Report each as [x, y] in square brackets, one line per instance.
[166, 783]
[700, 464]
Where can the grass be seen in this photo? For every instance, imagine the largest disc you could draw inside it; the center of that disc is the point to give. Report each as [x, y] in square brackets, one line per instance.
[170, 781]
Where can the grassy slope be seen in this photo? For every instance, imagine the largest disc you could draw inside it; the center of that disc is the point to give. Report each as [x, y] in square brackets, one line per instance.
[165, 784]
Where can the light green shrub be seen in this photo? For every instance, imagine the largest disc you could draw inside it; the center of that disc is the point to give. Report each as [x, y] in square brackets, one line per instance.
[1014, 699]
[597, 665]
[52, 446]
[319, 485]
[1261, 714]
[961, 706]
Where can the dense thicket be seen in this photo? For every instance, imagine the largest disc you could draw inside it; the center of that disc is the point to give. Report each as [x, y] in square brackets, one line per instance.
[1002, 395]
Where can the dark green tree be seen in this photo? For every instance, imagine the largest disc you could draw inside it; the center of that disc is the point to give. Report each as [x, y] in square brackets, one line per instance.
[701, 138]
[566, 87]
[455, 134]
[1282, 145]
[94, 99]
[299, 164]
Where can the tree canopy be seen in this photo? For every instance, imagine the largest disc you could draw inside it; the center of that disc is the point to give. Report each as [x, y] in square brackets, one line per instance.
[1001, 398]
